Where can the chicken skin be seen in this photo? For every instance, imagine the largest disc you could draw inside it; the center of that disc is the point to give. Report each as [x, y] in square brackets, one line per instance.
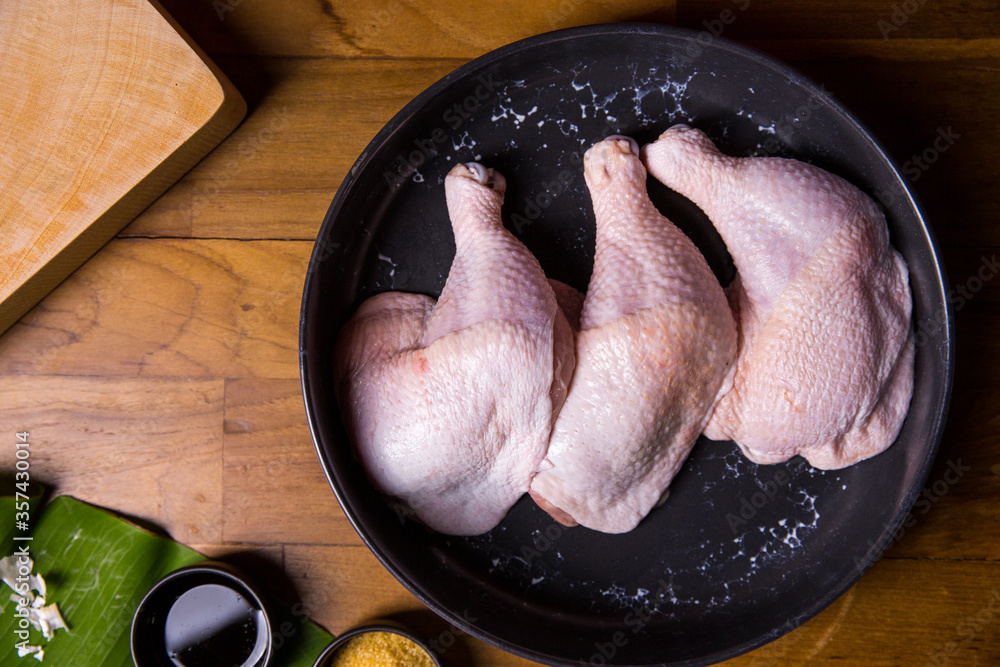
[825, 364]
[450, 404]
[655, 351]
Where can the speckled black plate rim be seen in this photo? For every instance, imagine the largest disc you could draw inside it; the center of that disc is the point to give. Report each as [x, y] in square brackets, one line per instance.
[751, 55]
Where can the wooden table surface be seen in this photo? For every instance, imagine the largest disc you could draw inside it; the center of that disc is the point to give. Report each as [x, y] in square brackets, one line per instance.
[161, 379]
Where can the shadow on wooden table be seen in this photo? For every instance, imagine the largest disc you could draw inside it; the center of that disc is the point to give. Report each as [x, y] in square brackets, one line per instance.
[219, 36]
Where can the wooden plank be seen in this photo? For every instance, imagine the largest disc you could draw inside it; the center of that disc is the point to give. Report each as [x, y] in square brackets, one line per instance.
[933, 118]
[191, 312]
[244, 557]
[294, 214]
[958, 498]
[209, 333]
[903, 612]
[881, 20]
[912, 50]
[183, 212]
[274, 487]
[954, 506]
[261, 564]
[275, 177]
[268, 450]
[398, 28]
[343, 587]
[205, 309]
[931, 604]
[168, 216]
[148, 448]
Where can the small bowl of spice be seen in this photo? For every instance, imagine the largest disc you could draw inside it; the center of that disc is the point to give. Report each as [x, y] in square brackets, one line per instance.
[377, 646]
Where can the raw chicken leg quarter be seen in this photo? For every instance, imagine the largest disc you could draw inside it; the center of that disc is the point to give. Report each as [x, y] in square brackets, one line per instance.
[450, 404]
[825, 365]
[655, 351]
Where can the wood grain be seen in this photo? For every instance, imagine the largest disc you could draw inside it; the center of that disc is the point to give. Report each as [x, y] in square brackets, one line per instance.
[274, 488]
[173, 352]
[913, 49]
[879, 20]
[112, 106]
[268, 446]
[275, 179]
[952, 506]
[335, 580]
[933, 602]
[919, 103]
[936, 608]
[103, 440]
[397, 28]
[206, 309]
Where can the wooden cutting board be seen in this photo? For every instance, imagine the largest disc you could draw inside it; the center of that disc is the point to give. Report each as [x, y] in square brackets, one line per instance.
[103, 105]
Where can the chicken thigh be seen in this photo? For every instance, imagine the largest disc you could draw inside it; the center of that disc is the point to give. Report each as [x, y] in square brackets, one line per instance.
[450, 404]
[655, 351]
[825, 365]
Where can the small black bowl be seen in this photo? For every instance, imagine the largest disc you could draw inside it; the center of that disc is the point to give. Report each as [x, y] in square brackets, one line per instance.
[324, 659]
[192, 609]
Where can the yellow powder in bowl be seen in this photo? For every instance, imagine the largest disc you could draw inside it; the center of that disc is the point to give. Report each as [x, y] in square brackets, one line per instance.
[380, 649]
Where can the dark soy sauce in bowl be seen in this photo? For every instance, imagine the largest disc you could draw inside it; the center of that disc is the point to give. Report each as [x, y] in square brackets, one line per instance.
[202, 615]
[214, 626]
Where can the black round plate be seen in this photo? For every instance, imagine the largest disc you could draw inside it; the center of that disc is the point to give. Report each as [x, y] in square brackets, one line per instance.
[740, 554]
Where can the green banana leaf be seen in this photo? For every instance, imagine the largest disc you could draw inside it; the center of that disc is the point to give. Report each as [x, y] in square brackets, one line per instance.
[97, 568]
